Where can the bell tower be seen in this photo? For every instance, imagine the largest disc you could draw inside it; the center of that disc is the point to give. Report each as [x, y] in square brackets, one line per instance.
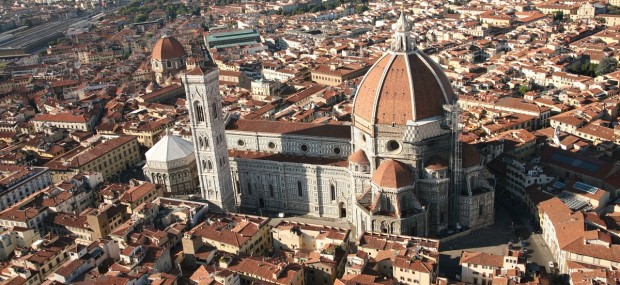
[207, 123]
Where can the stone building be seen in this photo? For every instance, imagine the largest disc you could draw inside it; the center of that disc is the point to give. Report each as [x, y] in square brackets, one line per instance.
[393, 171]
[171, 162]
[167, 59]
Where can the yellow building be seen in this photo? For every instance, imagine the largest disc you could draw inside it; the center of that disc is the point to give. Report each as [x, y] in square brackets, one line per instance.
[91, 224]
[66, 120]
[321, 249]
[109, 157]
[232, 233]
[142, 193]
[51, 252]
[414, 270]
[148, 133]
[415, 260]
[258, 270]
[335, 74]
[496, 20]
[554, 8]
[610, 20]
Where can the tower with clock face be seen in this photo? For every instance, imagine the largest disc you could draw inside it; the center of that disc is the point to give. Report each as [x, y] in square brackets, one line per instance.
[207, 123]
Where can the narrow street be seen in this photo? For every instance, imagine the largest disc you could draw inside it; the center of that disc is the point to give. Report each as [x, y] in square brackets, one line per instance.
[508, 227]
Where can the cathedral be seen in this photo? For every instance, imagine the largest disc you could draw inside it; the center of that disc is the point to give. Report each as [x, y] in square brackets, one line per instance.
[398, 168]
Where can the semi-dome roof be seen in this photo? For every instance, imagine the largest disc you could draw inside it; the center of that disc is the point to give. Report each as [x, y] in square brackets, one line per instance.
[392, 174]
[404, 84]
[167, 48]
[169, 148]
[435, 164]
[359, 157]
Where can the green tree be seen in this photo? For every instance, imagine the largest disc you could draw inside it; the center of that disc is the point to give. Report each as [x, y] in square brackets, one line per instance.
[523, 89]
[140, 18]
[614, 10]
[359, 9]
[559, 16]
[606, 65]
[28, 23]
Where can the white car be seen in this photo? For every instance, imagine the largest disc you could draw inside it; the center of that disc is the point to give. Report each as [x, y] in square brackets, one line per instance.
[551, 264]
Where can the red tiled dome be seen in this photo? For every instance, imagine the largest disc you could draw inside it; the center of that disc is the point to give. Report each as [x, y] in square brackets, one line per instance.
[167, 48]
[402, 87]
[359, 157]
[435, 164]
[392, 174]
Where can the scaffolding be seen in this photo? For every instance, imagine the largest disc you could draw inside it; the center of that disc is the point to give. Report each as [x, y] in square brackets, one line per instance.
[453, 113]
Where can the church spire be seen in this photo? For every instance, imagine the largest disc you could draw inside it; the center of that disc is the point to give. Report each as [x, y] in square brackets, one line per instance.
[401, 39]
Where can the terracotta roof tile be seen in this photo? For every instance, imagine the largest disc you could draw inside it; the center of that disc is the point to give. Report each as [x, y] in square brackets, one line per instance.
[392, 174]
[168, 48]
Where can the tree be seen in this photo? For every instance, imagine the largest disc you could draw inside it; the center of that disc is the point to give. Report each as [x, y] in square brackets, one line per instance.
[523, 89]
[613, 10]
[359, 9]
[140, 18]
[559, 16]
[561, 29]
[28, 23]
[606, 65]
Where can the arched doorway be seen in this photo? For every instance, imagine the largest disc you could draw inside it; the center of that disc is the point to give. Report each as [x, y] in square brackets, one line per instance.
[342, 210]
[384, 227]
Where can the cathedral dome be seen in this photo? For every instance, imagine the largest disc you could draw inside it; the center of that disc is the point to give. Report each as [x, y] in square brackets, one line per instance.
[436, 164]
[392, 174]
[170, 148]
[168, 48]
[359, 157]
[403, 85]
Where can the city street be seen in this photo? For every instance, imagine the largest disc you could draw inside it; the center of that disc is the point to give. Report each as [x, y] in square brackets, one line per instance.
[495, 239]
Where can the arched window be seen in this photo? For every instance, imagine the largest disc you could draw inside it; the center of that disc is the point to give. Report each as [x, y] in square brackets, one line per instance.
[199, 113]
[388, 203]
[270, 190]
[204, 164]
[206, 142]
[209, 165]
[200, 142]
[249, 188]
[300, 190]
[384, 227]
[214, 110]
[332, 191]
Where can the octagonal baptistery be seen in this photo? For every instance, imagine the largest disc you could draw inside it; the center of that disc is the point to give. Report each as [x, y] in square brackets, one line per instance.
[400, 101]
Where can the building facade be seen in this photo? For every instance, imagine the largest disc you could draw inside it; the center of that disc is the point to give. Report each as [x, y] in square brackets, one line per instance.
[393, 171]
[168, 57]
[209, 136]
[171, 162]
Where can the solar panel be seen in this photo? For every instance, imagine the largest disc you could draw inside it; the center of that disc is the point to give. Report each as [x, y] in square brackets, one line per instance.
[573, 202]
[585, 187]
[558, 185]
[575, 162]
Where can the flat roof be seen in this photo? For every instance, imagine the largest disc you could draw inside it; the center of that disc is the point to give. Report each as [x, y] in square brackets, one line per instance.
[239, 34]
[575, 162]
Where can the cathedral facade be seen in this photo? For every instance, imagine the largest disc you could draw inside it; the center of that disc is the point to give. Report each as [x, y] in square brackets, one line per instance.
[396, 169]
